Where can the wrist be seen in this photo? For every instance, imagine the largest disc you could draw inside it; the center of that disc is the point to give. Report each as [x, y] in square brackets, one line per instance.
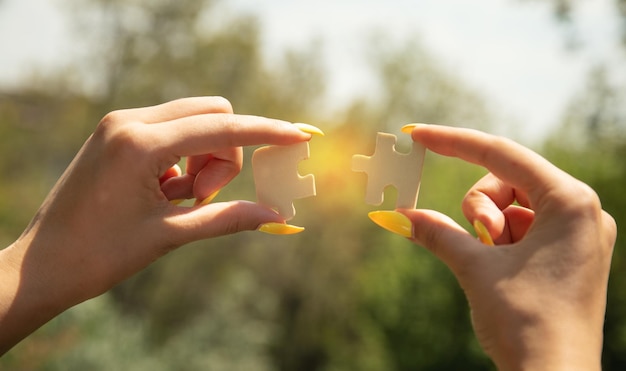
[560, 344]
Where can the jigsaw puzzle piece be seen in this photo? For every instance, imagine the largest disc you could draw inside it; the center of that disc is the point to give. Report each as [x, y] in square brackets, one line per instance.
[275, 171]
[388, 167]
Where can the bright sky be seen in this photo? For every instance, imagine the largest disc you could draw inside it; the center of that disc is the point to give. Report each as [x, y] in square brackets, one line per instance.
[511, 51]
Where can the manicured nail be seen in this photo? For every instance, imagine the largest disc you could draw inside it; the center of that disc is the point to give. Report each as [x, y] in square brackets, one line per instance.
[177, 201]
[310, 129]
[207, 200]
[393, 221]
[408, 128]
[279, 228]
[483, 233]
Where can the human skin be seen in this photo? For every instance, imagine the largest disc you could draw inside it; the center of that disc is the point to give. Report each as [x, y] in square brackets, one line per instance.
[111, 213]
[538, 297]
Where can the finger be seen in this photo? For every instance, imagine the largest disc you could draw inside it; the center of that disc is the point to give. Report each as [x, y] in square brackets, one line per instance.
[202, 134]
[180, 108]
[485, 202]
[212, 220]
[178, 188]
[216, 173]
[213, 171]
[517, 223]
[196, 163]
[172, 172]
[516, 165]
[205, 175]
[487, 199]
[443, 237]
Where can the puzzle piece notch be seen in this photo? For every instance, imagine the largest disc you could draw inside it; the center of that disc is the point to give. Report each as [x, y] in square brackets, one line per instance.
[388, 167]
[276, 177]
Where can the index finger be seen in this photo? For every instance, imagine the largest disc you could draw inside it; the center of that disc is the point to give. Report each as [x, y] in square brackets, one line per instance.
[207, 133]
[511, 162]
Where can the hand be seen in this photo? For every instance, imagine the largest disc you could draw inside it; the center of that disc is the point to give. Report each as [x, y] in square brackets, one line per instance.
[538, 297]
[110, 213]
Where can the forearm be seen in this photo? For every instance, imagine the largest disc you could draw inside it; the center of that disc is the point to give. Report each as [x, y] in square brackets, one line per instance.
[26, 301]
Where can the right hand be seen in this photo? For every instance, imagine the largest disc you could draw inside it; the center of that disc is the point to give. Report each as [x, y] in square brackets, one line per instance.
[538, 297]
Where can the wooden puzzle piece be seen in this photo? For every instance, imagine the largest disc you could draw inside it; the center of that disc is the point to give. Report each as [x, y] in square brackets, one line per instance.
[388, 167]
[275, 170]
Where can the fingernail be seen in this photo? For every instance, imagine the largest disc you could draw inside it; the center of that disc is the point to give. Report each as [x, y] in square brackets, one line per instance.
[408, 128]
[279, 228]
[177, 201]
[207, 200]
[483, 233]
[310, 129]
[177, 169]
[393, 221]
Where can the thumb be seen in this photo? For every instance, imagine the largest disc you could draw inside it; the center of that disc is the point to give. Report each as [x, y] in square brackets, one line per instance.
[218, 219]
[442, 236]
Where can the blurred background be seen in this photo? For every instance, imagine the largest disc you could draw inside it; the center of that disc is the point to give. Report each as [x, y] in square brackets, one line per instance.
[343, 295]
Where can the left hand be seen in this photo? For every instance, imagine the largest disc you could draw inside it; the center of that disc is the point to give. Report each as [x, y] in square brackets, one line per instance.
[110, 214]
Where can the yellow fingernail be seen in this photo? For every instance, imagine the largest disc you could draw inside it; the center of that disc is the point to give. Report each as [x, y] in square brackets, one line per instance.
[207, 200]
[408, 129]
[393, 221]
[310, 129]
[279, 228]
[177, 201]
[483, 233]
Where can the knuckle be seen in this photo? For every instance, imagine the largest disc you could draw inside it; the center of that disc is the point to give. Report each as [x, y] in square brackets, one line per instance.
[576, 200]
[472, 198]
[233, 226]
[584, 200]
[119, 134]
[111, 119]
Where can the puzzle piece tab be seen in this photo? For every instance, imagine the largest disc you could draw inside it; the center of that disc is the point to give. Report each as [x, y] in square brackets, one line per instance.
[388, 167]
[275, 170]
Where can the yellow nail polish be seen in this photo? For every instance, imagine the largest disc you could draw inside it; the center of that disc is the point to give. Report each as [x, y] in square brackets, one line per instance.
[207, 200]
[408, 128]
[393, 221]
[177, 201]
[483, 233]
[279, 228]
[310, 129]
